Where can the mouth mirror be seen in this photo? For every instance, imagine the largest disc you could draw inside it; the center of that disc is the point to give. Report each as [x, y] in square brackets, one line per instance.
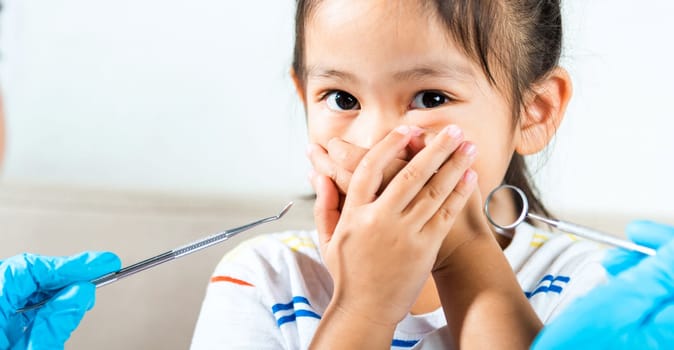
[515, 193]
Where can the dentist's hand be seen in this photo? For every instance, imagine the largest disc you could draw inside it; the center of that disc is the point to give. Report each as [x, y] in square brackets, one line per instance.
[646, 233]
[634, 310]
[28, 278]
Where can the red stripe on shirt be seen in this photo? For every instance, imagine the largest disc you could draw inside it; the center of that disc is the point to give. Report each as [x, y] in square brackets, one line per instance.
[231, 280]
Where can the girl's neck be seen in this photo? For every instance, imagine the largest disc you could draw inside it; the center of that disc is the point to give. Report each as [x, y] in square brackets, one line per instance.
[428, 300]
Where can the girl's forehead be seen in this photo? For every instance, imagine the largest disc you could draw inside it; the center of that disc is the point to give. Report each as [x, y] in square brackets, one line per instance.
[385, 15]
[396, 37]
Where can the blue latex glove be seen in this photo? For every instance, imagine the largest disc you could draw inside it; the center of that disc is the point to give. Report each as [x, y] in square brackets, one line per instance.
[28, 278]
[634, 310]
[646, 233]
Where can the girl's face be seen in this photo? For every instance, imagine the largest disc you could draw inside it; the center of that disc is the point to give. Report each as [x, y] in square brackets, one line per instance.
[373, 65]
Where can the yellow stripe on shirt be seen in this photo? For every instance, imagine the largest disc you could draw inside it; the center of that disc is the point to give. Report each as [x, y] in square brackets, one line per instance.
[296, 243]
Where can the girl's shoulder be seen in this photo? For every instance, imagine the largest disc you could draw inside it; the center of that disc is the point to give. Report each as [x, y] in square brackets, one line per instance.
[280, 255]
[554, 268]
[281, 266]
[273, 246]
[275, 282]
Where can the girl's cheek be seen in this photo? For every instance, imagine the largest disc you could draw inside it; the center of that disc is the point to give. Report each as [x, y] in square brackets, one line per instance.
[316, 125]
[434, 120]
[322, 127]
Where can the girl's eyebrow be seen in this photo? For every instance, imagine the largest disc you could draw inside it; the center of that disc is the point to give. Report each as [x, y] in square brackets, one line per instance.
[455, 72]
[326, 73]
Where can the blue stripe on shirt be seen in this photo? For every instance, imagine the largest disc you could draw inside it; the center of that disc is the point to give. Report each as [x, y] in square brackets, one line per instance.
[308, 313]
[296, 300]
[404, 343]
[551, 287]
[299, 313]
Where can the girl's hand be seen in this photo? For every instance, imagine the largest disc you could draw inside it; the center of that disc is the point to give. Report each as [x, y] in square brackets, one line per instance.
[341, 158]
[380, 249]
[470, 225]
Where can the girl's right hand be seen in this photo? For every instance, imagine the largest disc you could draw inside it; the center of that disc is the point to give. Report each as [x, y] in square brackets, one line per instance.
[381, 247]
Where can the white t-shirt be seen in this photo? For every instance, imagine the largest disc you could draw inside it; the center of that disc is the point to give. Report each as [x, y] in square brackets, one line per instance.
[270, 292]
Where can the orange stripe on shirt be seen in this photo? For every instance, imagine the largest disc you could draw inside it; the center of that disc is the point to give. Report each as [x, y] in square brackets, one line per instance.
[231, 280]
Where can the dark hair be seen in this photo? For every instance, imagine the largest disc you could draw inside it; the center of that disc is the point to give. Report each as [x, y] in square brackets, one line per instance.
[516, 42]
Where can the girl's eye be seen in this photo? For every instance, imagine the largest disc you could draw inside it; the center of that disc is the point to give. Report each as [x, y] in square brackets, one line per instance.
[341, 101]
[429, 99]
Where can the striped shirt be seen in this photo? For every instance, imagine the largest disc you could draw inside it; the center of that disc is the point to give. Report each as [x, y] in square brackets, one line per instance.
[270, 291]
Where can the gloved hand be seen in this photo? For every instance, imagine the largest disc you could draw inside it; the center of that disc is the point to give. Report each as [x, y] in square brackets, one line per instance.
[634, 310]
[28, 278]
[646, 233]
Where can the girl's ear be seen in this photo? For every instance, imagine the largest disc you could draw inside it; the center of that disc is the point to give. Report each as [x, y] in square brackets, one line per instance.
[543, 111]
[298, 86]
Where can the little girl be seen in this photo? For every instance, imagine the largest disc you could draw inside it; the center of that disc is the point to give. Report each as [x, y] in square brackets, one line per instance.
[416, 109]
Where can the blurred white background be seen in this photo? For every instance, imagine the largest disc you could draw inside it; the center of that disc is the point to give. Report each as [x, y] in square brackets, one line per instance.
[194, 97]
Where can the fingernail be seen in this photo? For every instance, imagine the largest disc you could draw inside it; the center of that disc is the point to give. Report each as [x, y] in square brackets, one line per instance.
[403, 129]
[469, 176]
[416, 131]
[453, 131]
[469, 149]
[311, 174]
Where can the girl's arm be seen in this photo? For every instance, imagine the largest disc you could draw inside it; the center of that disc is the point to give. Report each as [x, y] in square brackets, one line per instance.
[485, 309]
[483, 302]
[484, 305]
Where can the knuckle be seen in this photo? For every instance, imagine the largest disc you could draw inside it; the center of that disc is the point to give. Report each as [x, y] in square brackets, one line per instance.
[347, 159]
[332, 173]
[410, 172]
[458, 163]
[344, 155]
[461, 159]
[454, 204]
[448, 212]
[465, 160]
[433, 192]
[459, 196]
[369, 222]
[366, 162]
[342, 179]
[462, 192]
[446, 147]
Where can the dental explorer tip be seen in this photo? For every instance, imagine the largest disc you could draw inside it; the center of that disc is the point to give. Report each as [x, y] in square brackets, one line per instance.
[285, 210]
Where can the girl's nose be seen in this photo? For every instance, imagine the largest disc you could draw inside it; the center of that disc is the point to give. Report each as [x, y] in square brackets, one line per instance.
[370, 128]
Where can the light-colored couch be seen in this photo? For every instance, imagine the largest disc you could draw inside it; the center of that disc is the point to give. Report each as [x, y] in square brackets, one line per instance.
[156, 309]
